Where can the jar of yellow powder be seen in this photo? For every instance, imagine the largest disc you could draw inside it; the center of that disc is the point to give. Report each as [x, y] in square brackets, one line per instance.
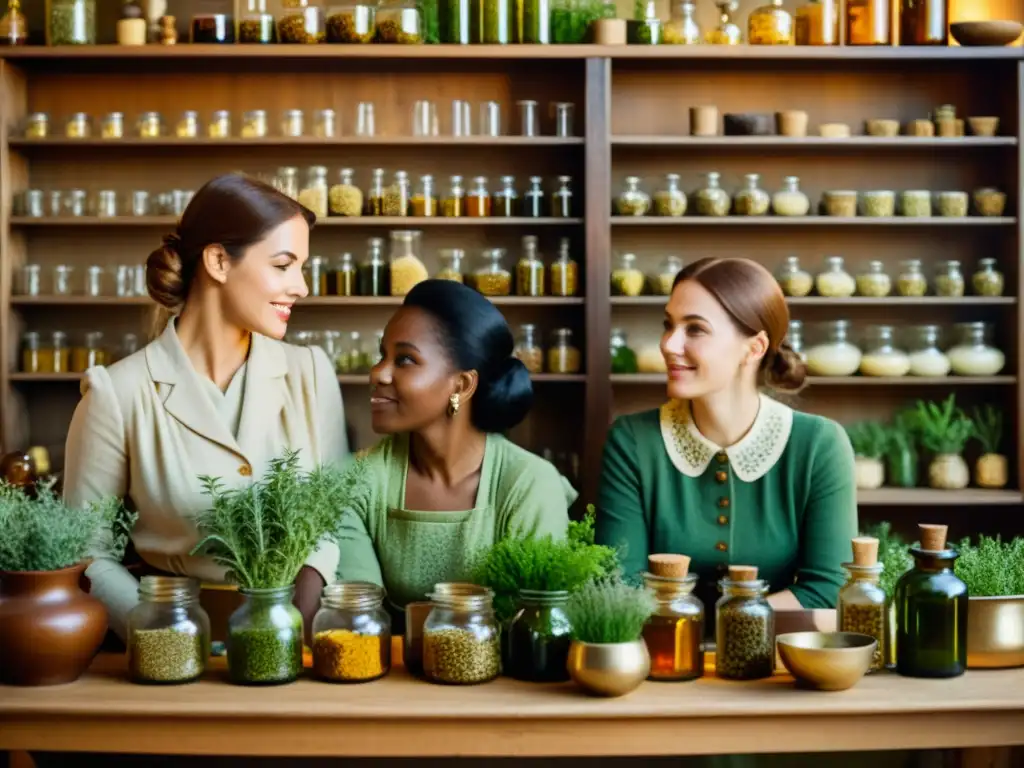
[351, 633]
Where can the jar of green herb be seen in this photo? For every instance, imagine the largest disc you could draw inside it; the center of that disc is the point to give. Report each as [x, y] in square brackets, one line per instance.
[744, 627]
[461, 641]
[168, 632]
[265, 638]
[70, 22]
[538, 637]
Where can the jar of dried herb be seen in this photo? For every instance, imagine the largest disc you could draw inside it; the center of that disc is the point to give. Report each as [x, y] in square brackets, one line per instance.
[424, 200]
[949, 280]
[632, 201]
[987, 280]
[264, 639]
[352, 23]
[664, 280]
[530, 270]
[538, 637]
[874, 282]
[256, 25]
[712, 200]
[911, 281]
[627, 279]
[793, 279]
[375, 194]
[751, 200]
[862, 601]
[527, 349]
[744, 627]
[491, 278]
[70, 22]
[352, 633]
[563, 355]
[301, 21]
[168, 632]
[564, 272]
[345, 198]
[398, 21]
[670, 200]
[454, 202]
[451, 264]
[461, 639]
[396, 196]
[407, 268]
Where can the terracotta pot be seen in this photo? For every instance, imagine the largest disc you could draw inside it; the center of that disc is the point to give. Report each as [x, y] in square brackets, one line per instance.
[49, 628]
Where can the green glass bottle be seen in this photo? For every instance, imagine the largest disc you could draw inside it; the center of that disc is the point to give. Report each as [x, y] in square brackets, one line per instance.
[931, 611]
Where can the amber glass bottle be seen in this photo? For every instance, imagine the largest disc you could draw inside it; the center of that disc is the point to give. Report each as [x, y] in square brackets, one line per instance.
[924, 22]
[869, 22]
[817, 23]
[674, 632]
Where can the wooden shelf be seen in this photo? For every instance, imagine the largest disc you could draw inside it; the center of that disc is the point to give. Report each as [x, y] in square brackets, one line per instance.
[305, 141]
[645, 379]
[309, 301]
[814, 142]
[811, 221]
[852, 301]
[933, 498]
[407, 222]
[360, 379]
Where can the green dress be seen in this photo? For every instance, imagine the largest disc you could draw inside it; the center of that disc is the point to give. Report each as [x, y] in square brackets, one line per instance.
[783, 499]
[408, 551]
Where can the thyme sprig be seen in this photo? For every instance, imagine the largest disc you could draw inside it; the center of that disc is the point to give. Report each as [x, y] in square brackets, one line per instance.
[609, 611]
[992, 568]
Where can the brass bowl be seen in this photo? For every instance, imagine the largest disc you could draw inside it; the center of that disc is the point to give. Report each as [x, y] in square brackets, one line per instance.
[995, 632]
[986, 32]
[826, 661]
[608, 669]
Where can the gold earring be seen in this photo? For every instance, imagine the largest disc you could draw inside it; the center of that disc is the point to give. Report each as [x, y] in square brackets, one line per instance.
[453, 404]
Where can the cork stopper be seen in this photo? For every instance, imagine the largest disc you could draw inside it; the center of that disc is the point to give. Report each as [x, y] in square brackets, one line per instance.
[865, 551]
[668, 566]
[933, 537]
[742, 573]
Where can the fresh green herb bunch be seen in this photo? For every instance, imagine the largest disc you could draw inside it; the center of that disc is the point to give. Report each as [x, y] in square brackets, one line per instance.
[942, 428]
[988, 427]
[44, 534]
[583, 533]
[263, 533]
[893, 554]
[869, 439]
[992, 568]
[609, 611]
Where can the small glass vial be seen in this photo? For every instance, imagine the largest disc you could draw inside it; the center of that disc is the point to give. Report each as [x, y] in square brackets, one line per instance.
[491, 278]
[973, 354]
[454, 202]
[671, 200]
[168, 632]
[564, 111]
[874, 282]
[835, 282]
[351, 633]
[506, 199]
[632, 201]
[744, 627]
[254, 124]
[219, 126]
[862, 603]
[451, 260]
[34, 203]
[187, 126]
[627, 279]
[926, 358]
[881, 357]
[770, 25]
[794, 279]
[150, 125]
[911, 281]
[564, 272]
[374, 271]
[345, 277]
[30, 280]
[293, 123]
[78, 126]
[530, 270]
[987, 280]
[751, 200]
[396, 196]
[61, 352]
[795, 338]
[533, 199]
[94, 280]
[949, 280]
[315, 272]
[325, 124]
[563, 355]
[112, 126]
[37, 126]
[478, 201]
[675, 631]
[106, 203]
[63, 276]
[313, 194]
[712, 200]
[375, 194]
[834, 355]
[663, 282]
[790, 201]
[623, 357]
[424, 200]
[561, 199]
[461, 637]
[527, 349]
[75, 203]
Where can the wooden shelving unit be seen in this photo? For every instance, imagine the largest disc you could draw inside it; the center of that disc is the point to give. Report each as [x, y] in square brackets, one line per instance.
[623, 128]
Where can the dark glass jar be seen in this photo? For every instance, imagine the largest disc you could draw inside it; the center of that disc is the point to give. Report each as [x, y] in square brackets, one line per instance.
[375, 272]
[538, 638]
[213, 28]
[533, 199]
[924, 22]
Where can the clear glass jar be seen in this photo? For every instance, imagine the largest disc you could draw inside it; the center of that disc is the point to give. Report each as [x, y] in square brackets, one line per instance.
[106, 203]
[397, 196]
[219, 126]
[770, 25]
[129, 346]
[862, 607]
[916, 203]
[399, 21]
[874, 281]
[112, 126]
[150, 125]
[352, 633]
[727, 32]
[256, 25]
[212, 28]
[533, 199]
[675, 630]
[345, 198]
[491, 278]
[451, 260]
[71, 22]
[461, 638]
[264, 639]
[352, 23]
[34, 358]
[790, 201]
[881, 357]
[375, 194]
[325, 122]
[424, 200]
[530, 270]
[627, 279]
[374, 271]
[63, 280]
[682, 28]
[54, 203]
[78, 126]
[751, 200]
[407, 268]
[744, 630]
[330, 343]
[345, 277]
[187, 126]
[168, 632]
[293, 123]
[315, 272]
[793, 279]
[478, 201]
[835, 282]
[878, 203]
[926, 358]
[987, 280]
[61, 352]
[663, 282]
[795, 338]
[869, 22]
[313, 194]
[670, 201]
[911, 281]
[538, 638]
[563, 355]
[301, 21]
[817, 23]
[632, 201]
[973, 354]
[834, 355]
[564, 271]
[623, 357]
[712, 200]
[454, 202]
[527, 349]
[506, 199]
[924, 22]
[949, 280]
[33, 204]
[37, 126]
[76, 203]
[254, 124]
[30, 280]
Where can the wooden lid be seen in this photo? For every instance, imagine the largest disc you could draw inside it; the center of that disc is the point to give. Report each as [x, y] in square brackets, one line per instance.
[865, 550]
[668, 566]
[742, 573]
[933, 537]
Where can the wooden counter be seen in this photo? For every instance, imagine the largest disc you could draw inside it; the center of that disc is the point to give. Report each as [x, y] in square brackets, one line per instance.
[401, 716]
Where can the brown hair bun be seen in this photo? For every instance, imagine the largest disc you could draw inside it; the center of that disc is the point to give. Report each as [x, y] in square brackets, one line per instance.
[165, 278]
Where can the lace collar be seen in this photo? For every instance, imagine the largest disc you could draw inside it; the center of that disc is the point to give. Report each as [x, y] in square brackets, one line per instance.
[751, 457]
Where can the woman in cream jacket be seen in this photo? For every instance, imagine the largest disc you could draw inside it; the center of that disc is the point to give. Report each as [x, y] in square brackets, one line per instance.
[215, 394]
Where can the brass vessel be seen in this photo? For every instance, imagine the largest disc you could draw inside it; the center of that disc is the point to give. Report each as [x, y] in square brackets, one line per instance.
[995, 632]
[609, 669]
[826, 661]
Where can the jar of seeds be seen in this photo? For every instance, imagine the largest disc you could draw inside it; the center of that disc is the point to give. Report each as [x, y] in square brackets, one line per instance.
[751, 200]
[563, 355]
[424, 200]
[530, 270]
[375, 194]
[952, 204]
[862, 602]
[78, 126]
[351, 23]
[527, 349]
[491, 278]
[916, 203]
[344, 277]
[37, 126]
[451, 260]
[835, 282]
[878, 203]
[744, 627]
[506, 199]
[670, 201]
[461, 639]
[314, 192]
[293, 123]
[150, 125]
[301, 21]
[396, 196]
[911, 281]
[790, 201]
[345, 198]
[219, 126]
[352, 633]
[632, 201]
[793, 279]
[663, 281]
[264, 639]
[454, 202]
[325, 123]
[874, 282]
[564, 272]
[254, 124]
[987, 280]
[627, 279]
[712, 200]
[187, 126]
[112, 126]
[168, 634]
[949, 280]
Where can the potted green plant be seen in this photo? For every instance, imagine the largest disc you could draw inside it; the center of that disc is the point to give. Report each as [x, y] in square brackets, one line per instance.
[607, 656]
[990, 468]
[49, 628]
[901, 453]
[944, 430]
[869, 440]
[993, 571]
[262, 535]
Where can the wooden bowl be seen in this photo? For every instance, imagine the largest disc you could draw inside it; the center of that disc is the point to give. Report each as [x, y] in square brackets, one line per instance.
[975, 33]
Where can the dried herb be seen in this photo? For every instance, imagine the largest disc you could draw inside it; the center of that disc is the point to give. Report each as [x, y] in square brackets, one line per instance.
[992, 568]
[609, 611]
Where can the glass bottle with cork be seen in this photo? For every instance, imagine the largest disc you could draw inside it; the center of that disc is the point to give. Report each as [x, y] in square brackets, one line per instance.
[675, 630]
[744, 627]
[869, 22]
[530, 270]
[817, 23]
[862, 602]
[931, 611]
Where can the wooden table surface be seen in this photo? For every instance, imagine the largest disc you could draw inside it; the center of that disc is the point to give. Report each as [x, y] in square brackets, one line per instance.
[402, 716]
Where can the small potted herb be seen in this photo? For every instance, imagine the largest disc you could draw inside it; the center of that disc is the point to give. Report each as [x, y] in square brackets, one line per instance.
[993, 571]
[990, 468]
[901, 453]
[944, 430]
[49, 628]
[263, 534]
[869, 440]
[608, 656]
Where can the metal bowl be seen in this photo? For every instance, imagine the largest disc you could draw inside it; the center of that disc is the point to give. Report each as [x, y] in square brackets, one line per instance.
[826, 661]
[608, 669]
[995, 632]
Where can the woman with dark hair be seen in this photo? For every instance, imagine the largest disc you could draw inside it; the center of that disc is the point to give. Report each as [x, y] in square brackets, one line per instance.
[722, 472]
[216, 393]
[446, 483]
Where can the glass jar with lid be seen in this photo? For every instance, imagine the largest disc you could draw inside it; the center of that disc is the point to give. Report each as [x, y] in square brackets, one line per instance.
[399, 21]
[671, 200]
[727, 32]
[623, 357]
[949, 280]
[751, 200]
[527, 348]
[915, 203]
[973, 354]
[375, 194]
[790, 201]
[835, 282]
[78, 126]
[353, 22]
[506, 199]
[71, 22]
[37, 126]
[315, 272]
[454, 202]
[627, 279]
[219, 126]
[461, 638]
[874, 281]
[539, 637]
[325, 124]
[212, 28]
[345, 198]
[491, 278]
[187, 126]
[911, 281]
[63, 280]
[396, 196]
[256, 25]
[632, 201]
[301, 21]
[451, 260]
[254, 124]
[75, 203]
[795, 338]
[533, 199]
[834, 354]
[869, 22]
[345, 279]
[924, 22]
[31, 202]
[712, 200]
[793, 279]
[987, 280]
[770, 24]
[530, 270]
[682, 28]
[168, 632]
[112, 125]
[61, 352]
[264, 639]
[744, 627]
[286, 181]
[564, 271]
[95, 280]
[351, 359]
[150, 125]
[293, 123]
[675, 631]
[862, 605]
[817, 23]
[30, 280]
[34, 357]
[106, 203]
[407, 268]
[881, 357]
[664, 280]
[374, 272]
[424, 200]
[563, 355]
[478, 201]
[351, 633]
[313, 193]
[926, 357]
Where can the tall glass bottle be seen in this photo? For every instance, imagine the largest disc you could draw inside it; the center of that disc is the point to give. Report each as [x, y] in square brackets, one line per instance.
[869, 22]
[924, 22]
[817, 23]
[931, 611]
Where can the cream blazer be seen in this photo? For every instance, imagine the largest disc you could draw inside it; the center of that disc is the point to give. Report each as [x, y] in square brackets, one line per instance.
[145, 431]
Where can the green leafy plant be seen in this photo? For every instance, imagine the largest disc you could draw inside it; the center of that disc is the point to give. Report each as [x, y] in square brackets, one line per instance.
[893, 554]
[991, 568]
[943, 429]
[988, 428]
[44, 534]
[609, 611]
[869, 439]
[263, 533]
